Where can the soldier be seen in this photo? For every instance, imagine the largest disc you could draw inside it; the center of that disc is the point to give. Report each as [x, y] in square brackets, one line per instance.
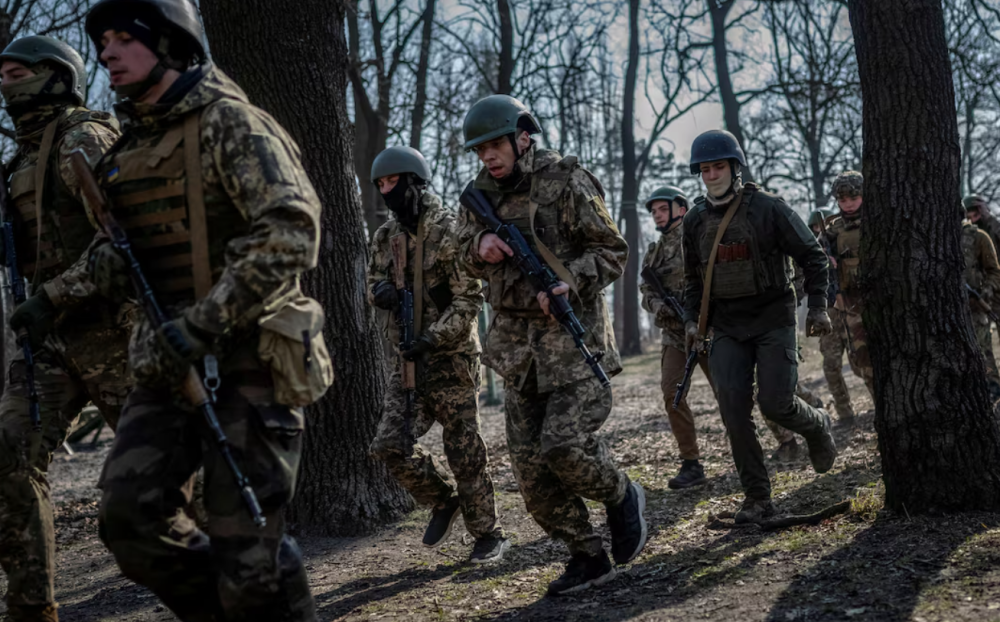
[446, 353]
[554, 403]
[844, 239]
[832, 346]
[978, 212]
[78, 340]
[982, 276]
[223, 219]
[738, 240]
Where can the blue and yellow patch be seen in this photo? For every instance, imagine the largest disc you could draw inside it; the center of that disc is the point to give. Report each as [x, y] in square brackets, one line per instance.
[113, 175]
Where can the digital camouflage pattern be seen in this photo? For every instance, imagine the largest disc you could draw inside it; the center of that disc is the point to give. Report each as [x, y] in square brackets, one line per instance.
[262, 217]
[848, 184]
[844, 239]
[575, 225]
[447, 382]
[553, 405]
[83, 360]
[982, 272]
[666, 258]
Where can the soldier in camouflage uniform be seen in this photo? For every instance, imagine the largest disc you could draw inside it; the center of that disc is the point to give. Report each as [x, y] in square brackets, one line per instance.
[554, 403]
[977, 210]
[223, 219]
[982, 274]
[446, 354]
[844, 240]
[79, 340]
[750, 310]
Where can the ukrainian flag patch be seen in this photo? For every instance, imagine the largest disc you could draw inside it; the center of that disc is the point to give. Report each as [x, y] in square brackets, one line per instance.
[113, 175]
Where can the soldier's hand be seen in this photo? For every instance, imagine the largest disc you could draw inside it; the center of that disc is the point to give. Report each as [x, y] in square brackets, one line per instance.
[108, 273]
[665, 315]
[492, 249]
[691, 335]
[421, 347]
[818, 323]
[385, 295]
[36, 316]
[543, 297]
[164, 359]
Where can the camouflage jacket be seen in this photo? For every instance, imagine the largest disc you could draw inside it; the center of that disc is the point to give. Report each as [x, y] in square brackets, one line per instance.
[666, 257]
[451, 298]
[573, 222]
[982, 269]
[262, 213]
[989, 223]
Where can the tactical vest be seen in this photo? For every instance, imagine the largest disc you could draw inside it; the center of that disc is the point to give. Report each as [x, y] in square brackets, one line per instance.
[740, 269]
[45, 251]
[155, 190]
[973, 272]
[848, 249]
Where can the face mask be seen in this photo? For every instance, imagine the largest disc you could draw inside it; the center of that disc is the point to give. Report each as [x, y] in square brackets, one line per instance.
[403, 200]
[721, 186]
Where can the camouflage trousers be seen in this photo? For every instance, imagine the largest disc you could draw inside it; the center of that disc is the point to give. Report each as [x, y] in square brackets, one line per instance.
[832, 347]
[984, 337]
[447, 392]
[558, 460]
[853, 330]
[233, 571]
[27, 535]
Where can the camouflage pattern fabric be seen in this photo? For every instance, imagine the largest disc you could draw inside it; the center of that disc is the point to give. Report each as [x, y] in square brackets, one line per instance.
[848, 184]
[666, 258]
[233, 570]
[447, 392]
[262, 209]
[859, 358]
[832, 348]
[982, 270]
[559, 461]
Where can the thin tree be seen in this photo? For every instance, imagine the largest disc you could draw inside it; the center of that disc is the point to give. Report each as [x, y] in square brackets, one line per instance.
[302, 81]
[937, 436]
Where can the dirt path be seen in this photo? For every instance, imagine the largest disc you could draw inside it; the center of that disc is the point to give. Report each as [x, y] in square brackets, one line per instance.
[867, 565]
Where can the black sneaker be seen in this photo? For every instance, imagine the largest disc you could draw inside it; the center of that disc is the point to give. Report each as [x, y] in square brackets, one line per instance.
[822, 447]
[489, 549]
[627, 524]
[754, 511]
[583, 572]
[786, 452]
[441, 521]
[691, 474]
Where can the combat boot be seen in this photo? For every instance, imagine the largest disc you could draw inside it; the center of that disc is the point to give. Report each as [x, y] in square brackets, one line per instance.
[33, 613]
[584, 572]
[787, 451]
[822, 446]
[691, 474]
[754, 511]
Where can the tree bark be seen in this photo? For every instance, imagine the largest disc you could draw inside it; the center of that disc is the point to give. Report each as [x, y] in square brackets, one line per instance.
[631, 342]
[423, 64]
[730, 103]
[938, 439]
[302, 81]
[505, 75]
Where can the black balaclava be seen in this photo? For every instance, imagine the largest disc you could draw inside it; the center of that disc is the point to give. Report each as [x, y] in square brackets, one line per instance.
[404, 200]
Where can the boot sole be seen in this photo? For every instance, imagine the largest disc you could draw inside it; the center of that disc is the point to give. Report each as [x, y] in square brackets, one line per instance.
[447, 532]
[489, 560]
[641, 494]
[672, 485]
[599, 581]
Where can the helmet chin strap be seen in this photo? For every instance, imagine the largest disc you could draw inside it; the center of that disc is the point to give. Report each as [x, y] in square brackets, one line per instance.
[140, 88]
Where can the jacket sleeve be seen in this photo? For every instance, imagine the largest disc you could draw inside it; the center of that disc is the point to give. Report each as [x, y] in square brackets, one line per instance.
[468, 232]
[73, 287]
[604, 250]
[990, 265]
[651, 302]
[693, 283]
[260, 169]
[378, 261]
[798, 242]
[452, 327]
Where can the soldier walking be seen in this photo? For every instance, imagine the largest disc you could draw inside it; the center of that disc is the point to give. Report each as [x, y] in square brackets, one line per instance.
[977, 210]
[77, 339]
[982, 278]
[737, 244]
[446, 354]
[221, 216]
[554, 404]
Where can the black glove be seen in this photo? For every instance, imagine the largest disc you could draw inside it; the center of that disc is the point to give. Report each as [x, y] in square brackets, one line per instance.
[163, 360]
[385, 296]
[37, 316]
[109, 274]
[420, 348]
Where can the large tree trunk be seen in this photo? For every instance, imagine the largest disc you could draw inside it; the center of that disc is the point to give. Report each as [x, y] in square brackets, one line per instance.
[505, 74]
[631, 342]
[939, 440]
[727, 94]
[420, 98]
[302, 81]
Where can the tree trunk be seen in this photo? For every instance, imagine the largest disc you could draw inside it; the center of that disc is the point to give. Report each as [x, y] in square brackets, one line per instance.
[970, 128]
[631, 342]
[505, 75]
[420, 98]
[302, 81]
[727, 95]
[939, 441]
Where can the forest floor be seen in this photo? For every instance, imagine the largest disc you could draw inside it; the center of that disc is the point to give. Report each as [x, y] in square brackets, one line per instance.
[868, 564]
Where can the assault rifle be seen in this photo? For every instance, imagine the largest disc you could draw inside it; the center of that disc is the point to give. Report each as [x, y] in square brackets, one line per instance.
[20, 295]
[538, 273]
[192, 388]
[649, 276]
[404, 322]
[982, 304]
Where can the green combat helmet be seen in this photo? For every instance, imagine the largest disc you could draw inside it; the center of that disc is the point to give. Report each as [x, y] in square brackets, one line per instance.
[973, 202]
[36, 49]
[399, 160]
[847, 184]
[666, 193]
[496, 116]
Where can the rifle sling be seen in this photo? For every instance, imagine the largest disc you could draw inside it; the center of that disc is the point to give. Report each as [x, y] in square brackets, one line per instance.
[550, 258]
[201, 265]
[45, 150]
[706, 292]
[418, 280]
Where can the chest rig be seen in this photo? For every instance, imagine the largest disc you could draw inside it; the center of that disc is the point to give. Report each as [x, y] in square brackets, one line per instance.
[848, 249]
[53, 228]
[178, 231]
[741, 269]
[973, 274]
